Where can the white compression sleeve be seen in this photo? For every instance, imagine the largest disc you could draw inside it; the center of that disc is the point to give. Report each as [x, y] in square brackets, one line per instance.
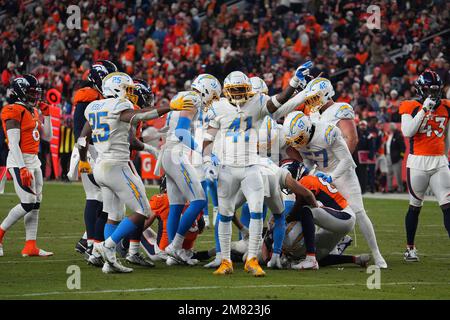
[288, 106]
[14, 146]
[410, 125]
[341, 152]
[144, 116]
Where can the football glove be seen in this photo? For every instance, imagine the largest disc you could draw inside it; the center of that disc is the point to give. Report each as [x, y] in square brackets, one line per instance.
[84, 167]
[151, 149]
[429, 105]
[209, 168]
[300, 74]
[25, 177]
[45, 108]
[324, 176]
[214, 159]
[181, 104]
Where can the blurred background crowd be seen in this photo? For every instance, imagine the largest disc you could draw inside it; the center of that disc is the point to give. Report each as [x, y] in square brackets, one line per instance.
[168, 43]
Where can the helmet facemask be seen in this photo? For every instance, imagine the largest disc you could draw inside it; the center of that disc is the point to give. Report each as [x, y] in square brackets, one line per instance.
[315, 101]
[130, 95]
[237, 94]
[298, 141]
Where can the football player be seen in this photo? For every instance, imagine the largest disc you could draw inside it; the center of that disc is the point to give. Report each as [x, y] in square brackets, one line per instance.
[237, 116]
[108, 127]
[183, 182]
[93, 214]
[426, 123]
[319, 94]
[22, 127]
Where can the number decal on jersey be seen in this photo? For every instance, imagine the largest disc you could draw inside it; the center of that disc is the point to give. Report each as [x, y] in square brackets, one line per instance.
[317, 155]
[235, 128]
[330, 187]
[428, 129]
[101, 128]
[36, 134]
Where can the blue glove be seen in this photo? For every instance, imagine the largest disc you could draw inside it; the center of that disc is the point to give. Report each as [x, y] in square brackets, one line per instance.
[214, 159]
[300, 73]
[324, 176]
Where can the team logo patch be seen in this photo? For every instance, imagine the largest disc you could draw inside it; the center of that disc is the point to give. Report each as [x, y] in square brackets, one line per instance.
[330, 135]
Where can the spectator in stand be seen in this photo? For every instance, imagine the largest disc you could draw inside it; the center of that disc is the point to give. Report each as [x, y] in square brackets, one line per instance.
[395, 151]
[362, 148]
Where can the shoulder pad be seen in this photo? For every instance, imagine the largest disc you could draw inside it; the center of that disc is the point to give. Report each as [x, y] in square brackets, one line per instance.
[345, 111]
[86, 94]
[408, 106]
[331, 134]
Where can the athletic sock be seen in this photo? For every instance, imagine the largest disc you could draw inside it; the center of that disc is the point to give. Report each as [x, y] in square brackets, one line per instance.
[225, 230]
[255, 231]
[178, 241]
[278, 232]
[189, 216]
[134, 247]
[309, 230]
[366, 227]
[245, 217]
[90, 217]
[216, 234]
[446, 213]
[411, 222]
[31, 220]
[14, 215]
[109, 230]
[173, 220]
[100, 223]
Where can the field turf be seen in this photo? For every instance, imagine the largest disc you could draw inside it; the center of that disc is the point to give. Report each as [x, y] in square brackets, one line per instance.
[61, 225]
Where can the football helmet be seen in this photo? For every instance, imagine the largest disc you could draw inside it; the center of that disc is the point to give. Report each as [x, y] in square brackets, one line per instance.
[144, 93]
[110, 67]
[297, 169]
[258, 86]
[208, 87]
[429, 84]
[26, 90]
[119, 85]
[237, 88]
[297, 128]
[318, 92]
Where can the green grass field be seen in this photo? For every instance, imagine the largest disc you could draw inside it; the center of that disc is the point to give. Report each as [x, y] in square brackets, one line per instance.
[61, 225]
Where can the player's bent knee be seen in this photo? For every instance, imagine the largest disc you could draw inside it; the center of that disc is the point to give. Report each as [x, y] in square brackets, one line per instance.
[37, 206]
[256, 215]
[198, 204]
[225, 218]
[27, 206]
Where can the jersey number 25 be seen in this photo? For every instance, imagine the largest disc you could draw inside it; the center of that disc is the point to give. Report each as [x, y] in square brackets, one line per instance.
[100, 129]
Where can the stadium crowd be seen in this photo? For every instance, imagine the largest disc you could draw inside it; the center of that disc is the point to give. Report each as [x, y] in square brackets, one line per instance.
[167, 43]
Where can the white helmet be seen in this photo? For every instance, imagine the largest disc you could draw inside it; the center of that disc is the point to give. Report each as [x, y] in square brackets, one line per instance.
[208, 87]
[119, 85]
[318, 92]
[258, 86]
[237, 87]
[297, 129]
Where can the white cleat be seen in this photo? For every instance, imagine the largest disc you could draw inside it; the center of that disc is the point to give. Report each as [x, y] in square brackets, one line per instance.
[214, 264]
[310, 263]
[380, 262]
[1, 250]
[170, 251]
[95, 258]
[186, 257]
[107, 268]
[139, 259]
[39, 253]
[411, 255]
[171, 261]
[109, 255]
[275, 262]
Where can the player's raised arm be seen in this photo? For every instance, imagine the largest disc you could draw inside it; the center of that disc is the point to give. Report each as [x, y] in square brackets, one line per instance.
[410, 125]
[299, 77]
[47, 131]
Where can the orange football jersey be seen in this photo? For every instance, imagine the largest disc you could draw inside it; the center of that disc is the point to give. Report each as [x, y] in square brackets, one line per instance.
[86, 94]
[30, 126]
[138, 134]
[430, 138]
[324, 192]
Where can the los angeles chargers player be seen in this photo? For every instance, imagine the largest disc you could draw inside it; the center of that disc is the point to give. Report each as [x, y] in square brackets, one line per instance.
[183, 181]
[237, 116]
[108, 127]
[319, 94]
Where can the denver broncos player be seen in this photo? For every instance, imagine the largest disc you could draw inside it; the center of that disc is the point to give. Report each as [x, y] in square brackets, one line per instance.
[20, 121]
[82, 97]
[238, 115]
[426, 123]
[319, 94]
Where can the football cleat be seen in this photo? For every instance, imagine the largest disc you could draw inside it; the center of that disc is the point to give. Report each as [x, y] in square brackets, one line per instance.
[343, 244]
[88, 252]
[411, 255]
[81, 246]
[252, 266]
[35, 252]
[380, 262]
[185, 256]
[1, 250]
[108, 268]
[109, 255]
[275, 262]
[226, 267]
[362, 260]
[139, 259]
[171, 261]
[214, 264]
[309, 263]
[95, 258]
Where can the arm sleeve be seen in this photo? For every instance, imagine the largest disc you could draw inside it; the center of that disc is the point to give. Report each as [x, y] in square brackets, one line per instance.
[342, 153]
[289, 106]
[183, 133]
[14, 146]
[47, 132]
[410, 125]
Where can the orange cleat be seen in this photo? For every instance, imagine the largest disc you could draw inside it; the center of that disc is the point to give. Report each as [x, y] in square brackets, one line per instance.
[252, 266]
[31, 250]
[226, 267]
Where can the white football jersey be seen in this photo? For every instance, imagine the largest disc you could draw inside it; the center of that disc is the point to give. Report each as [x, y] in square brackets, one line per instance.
[271, 140]
[319, 150]
[238, 129]
[274, 177]
[109, 135]
[337, 111]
